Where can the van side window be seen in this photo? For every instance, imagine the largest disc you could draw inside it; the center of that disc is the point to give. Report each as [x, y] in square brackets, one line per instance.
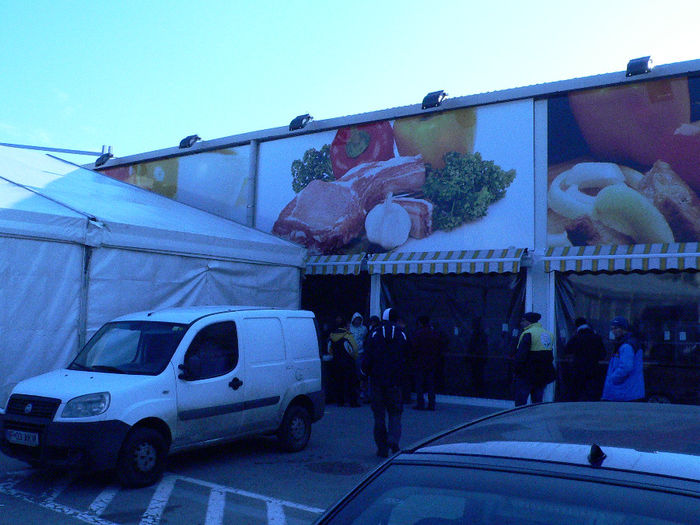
[213, 351]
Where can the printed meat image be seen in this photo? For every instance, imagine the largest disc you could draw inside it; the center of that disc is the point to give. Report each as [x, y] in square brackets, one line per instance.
[367, 193]
[323, 217]
[624, 169]
[373, 181]
[420, 211]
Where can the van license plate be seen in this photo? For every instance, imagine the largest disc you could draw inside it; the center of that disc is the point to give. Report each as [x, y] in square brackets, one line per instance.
[19, 437]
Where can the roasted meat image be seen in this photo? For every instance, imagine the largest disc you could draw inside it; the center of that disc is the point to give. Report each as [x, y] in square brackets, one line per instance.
[674, 199]
[585, 231]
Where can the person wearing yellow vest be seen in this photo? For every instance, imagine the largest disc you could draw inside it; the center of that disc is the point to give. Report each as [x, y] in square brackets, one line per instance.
[533, 367]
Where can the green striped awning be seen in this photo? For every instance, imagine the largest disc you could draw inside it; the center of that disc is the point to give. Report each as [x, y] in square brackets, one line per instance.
[455, 261]
[640, 257]
[334, 264]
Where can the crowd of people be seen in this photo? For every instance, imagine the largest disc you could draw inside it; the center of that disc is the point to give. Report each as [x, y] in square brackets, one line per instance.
[377, 363]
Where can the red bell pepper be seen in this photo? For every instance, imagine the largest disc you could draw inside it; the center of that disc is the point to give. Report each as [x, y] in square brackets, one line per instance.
[356, 145]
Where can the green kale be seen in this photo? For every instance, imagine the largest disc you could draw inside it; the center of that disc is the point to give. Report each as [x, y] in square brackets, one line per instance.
[315, 165]
[463, 190]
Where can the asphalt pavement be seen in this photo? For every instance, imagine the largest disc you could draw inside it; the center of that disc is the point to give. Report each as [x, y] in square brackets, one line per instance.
[233, 480]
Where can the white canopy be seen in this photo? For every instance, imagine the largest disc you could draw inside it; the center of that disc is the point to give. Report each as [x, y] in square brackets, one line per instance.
[78, 248]
[96, 210]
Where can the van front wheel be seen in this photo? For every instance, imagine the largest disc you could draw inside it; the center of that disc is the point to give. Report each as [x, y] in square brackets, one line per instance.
[295, 431]
[142, 458]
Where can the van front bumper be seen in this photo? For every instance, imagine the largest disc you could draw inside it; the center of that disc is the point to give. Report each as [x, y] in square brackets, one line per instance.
[86, 446]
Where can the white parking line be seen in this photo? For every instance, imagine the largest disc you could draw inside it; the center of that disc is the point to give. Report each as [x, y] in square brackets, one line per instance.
[215, 507]
[57, 488]
[152, 516]
[245, 493]
[103, 500]
[7, 487]
[275, 514]
[158, 502]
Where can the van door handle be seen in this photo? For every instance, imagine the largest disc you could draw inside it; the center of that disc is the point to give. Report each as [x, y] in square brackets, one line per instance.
[235, 383]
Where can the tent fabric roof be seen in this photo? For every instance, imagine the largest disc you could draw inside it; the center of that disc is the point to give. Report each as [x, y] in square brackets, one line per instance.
[42, 196]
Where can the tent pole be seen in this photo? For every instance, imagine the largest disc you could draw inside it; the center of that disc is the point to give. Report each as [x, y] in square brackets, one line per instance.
[252, 183]
[375, 289]
[84, 285]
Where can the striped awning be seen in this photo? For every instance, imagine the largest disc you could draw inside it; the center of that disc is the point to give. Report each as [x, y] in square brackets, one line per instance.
[456, 261]
[640, 257]
[334, 264]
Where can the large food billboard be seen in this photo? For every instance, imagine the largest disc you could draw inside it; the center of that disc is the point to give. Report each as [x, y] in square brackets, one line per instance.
[624, 164]
[215, 181]
[454, 180]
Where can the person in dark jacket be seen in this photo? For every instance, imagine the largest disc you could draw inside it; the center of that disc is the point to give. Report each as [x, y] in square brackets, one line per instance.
[588, 349]
[533, 366]
[384, 361]
[426, 346]
[343, 348]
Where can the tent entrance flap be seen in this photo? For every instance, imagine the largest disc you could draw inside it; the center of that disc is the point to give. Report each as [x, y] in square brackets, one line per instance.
[456, 261]
[634, 257]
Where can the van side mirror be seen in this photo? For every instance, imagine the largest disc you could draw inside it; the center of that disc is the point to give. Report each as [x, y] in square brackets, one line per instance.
[185, 374]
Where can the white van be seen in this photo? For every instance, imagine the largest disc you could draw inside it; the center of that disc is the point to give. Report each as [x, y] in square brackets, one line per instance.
[151, 383]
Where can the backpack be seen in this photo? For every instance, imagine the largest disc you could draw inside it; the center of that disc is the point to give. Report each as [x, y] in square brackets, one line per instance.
[342, 349]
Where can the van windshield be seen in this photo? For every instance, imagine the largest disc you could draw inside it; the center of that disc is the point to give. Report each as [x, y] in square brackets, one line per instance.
[130, 347]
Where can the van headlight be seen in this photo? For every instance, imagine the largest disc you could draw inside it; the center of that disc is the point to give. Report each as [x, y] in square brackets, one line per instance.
[87, 406]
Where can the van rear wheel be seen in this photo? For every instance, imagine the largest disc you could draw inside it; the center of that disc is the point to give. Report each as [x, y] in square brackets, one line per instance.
[142, 458]
[295, 431]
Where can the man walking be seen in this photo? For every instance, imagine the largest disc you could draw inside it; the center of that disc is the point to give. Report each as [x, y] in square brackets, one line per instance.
[625, 378]
[385, 364]
[427, 346]
[587, 349]
[533, 360]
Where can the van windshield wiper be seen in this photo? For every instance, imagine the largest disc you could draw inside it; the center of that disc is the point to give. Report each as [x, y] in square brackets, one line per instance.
[107, 368]
[78, 366]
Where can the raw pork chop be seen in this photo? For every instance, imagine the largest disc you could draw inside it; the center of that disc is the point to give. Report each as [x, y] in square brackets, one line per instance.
[324, 216]
[372, 181]
[421, 213]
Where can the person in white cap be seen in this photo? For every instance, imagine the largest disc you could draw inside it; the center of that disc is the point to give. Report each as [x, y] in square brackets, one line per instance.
[384, 362]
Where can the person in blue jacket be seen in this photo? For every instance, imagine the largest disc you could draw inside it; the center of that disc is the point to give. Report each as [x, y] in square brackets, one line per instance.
[625, 378]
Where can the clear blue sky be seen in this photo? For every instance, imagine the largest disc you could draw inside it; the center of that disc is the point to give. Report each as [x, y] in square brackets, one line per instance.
[141, 75]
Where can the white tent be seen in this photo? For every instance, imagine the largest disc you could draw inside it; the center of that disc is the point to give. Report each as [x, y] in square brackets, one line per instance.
[78, 248]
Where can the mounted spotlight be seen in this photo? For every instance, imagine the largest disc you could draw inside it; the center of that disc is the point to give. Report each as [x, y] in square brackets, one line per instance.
[103, 158]
[434, 99]
[189, 141]
[299, 122]
[639, 66]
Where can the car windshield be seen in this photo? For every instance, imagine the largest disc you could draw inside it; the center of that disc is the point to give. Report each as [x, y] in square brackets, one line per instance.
[130, 347]
[446, 495]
